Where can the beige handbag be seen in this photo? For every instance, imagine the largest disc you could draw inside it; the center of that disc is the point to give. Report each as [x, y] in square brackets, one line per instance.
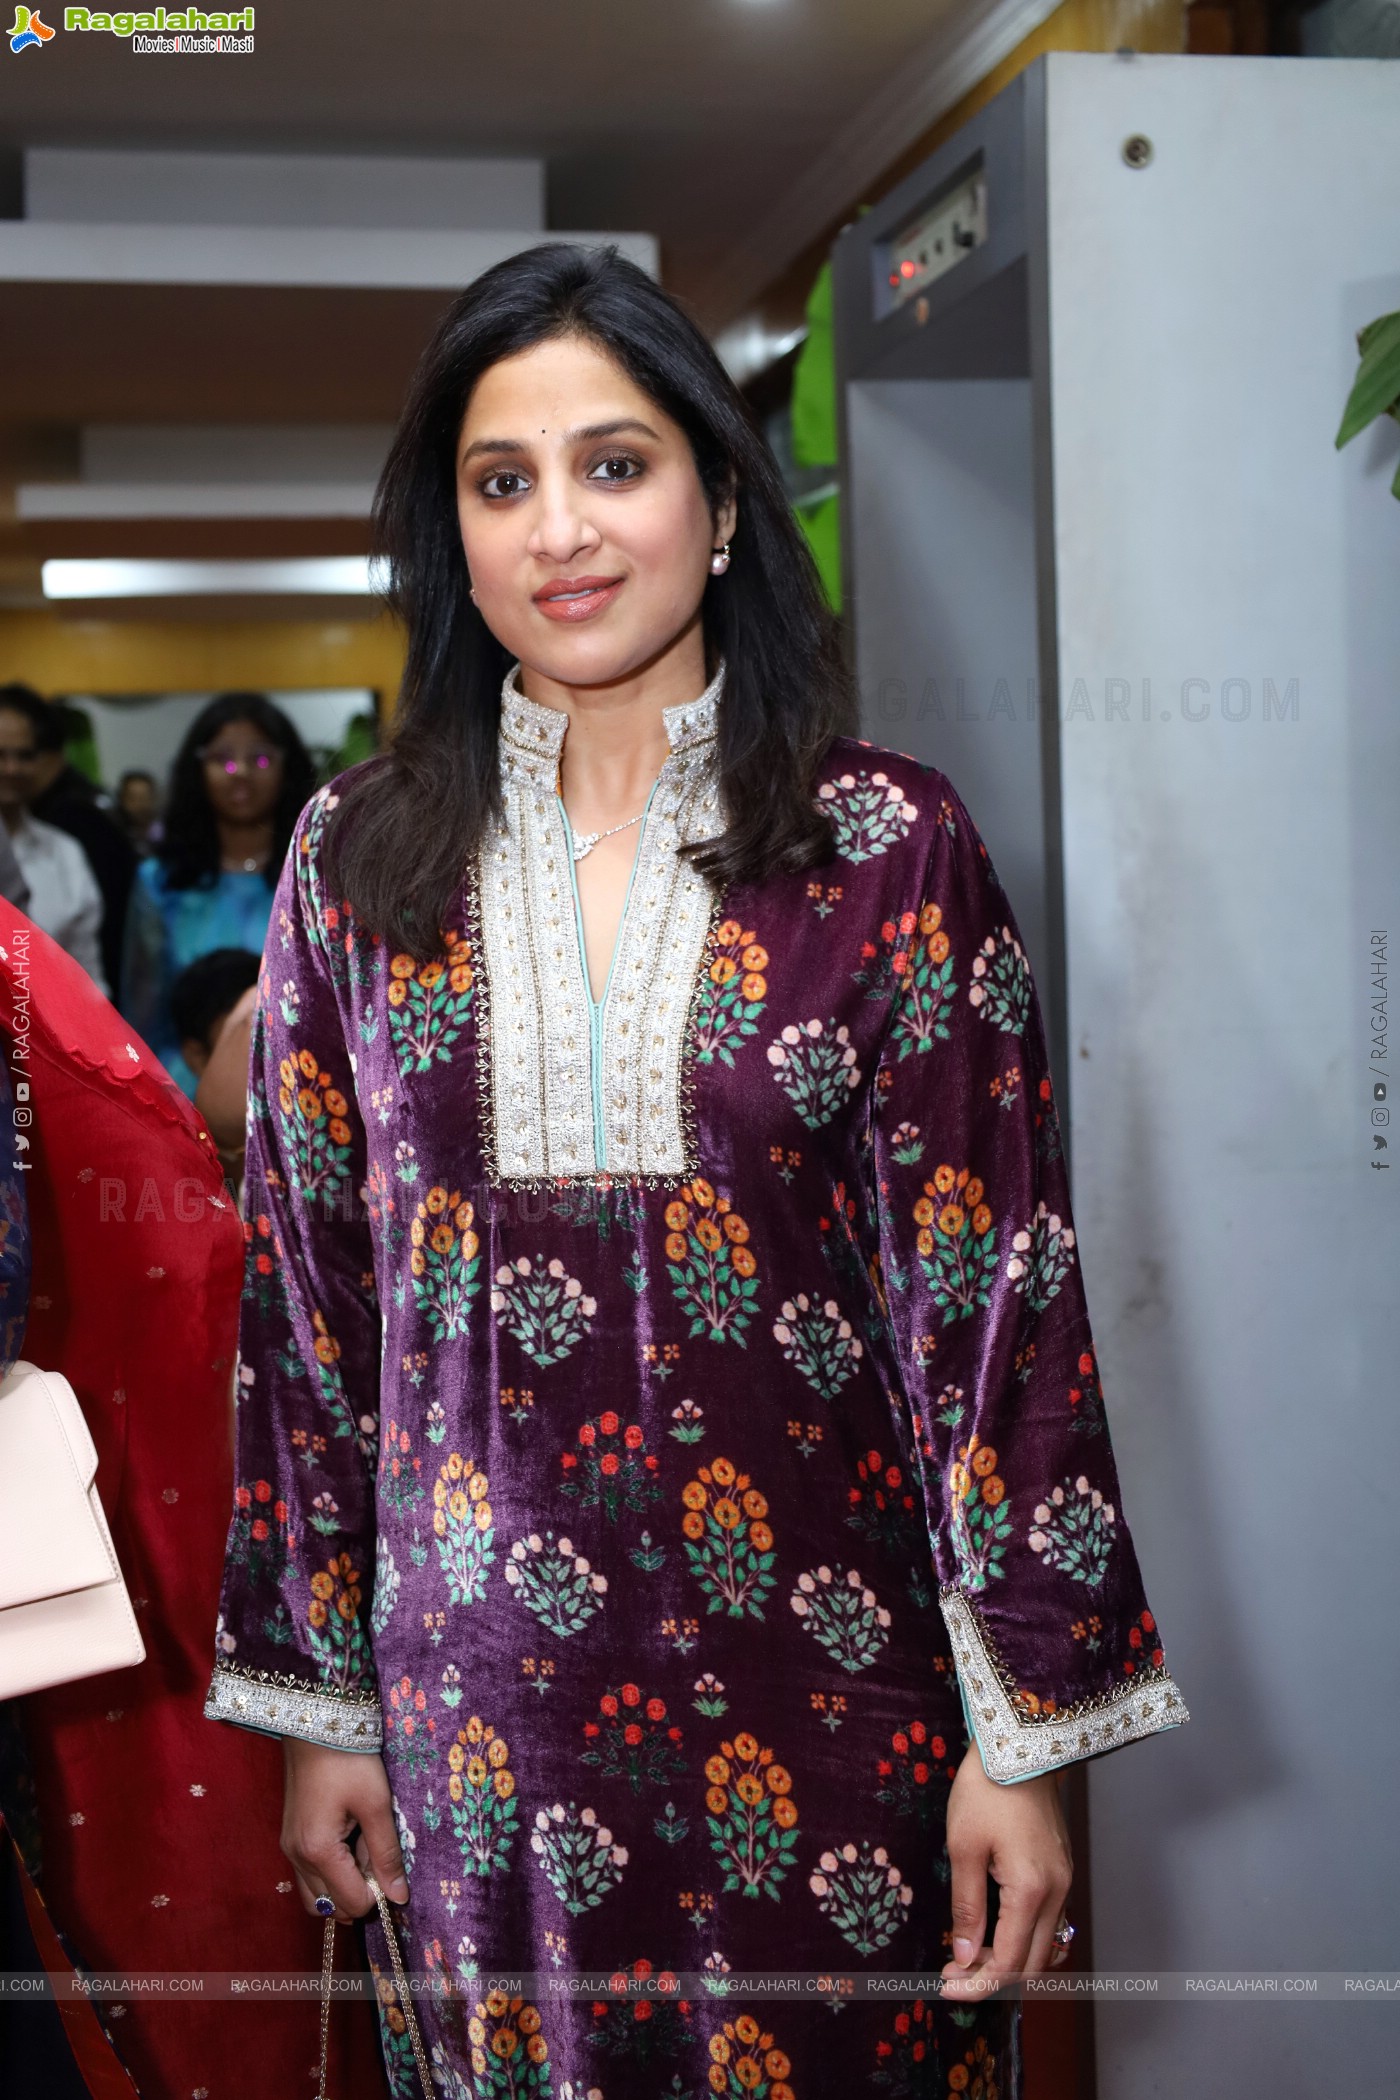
[64, 1610]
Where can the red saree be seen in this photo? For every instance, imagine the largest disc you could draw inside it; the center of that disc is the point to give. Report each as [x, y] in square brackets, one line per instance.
[159, 1830]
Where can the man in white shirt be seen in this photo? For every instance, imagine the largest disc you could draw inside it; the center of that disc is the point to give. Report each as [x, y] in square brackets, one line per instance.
[63, 895]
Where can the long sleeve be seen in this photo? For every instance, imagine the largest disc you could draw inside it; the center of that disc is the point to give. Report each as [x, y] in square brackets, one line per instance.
[1057, 1653]
[293, 1646]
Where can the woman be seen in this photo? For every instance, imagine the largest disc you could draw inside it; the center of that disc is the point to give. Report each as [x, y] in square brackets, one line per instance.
[239, 779]
[665, 1329]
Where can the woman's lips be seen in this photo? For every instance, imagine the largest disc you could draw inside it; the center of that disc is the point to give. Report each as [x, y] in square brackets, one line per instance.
[582, 607]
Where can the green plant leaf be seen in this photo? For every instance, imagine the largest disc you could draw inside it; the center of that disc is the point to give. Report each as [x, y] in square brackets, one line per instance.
[1376, 388]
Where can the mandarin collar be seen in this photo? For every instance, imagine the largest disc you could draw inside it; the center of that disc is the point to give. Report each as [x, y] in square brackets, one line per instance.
[535, 734]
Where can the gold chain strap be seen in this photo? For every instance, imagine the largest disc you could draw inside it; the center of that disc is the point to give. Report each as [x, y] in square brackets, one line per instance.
[401, 1984]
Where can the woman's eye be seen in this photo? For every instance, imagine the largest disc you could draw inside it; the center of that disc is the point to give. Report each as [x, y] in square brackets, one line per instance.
[501, 474]
[620, 459]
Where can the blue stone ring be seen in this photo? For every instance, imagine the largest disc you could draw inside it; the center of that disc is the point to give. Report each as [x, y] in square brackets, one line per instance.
[325, 1906]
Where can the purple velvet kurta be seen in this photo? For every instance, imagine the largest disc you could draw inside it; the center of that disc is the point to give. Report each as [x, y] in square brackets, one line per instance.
[667, 1424]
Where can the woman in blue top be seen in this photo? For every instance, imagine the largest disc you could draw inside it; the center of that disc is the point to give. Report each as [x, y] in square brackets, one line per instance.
[239, 779]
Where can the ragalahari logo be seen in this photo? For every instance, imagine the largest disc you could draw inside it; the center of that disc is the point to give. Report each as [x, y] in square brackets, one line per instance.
[29, 32]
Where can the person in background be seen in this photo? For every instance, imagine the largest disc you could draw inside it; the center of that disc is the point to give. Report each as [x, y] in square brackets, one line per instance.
[13, 887]
[204, 1000]
[150, 1839]
[66, 798]
[138, 808]
[239, 779]
[63, 894]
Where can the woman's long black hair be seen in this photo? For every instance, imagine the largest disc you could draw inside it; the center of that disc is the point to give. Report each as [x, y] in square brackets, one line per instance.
[398, 843]
[189, 846]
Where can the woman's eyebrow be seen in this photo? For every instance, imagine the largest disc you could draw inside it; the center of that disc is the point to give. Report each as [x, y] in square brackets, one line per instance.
[585, 433]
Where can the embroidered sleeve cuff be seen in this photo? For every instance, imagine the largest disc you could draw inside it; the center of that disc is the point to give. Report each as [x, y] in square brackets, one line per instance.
[1015, 1745]
[292, 1706]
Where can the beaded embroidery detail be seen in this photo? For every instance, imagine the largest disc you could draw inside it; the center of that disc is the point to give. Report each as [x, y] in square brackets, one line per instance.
[290, 1706]
[533, 1037]
[1012, 1742]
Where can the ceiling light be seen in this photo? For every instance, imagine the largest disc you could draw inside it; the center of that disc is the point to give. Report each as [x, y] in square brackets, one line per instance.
[350, 576]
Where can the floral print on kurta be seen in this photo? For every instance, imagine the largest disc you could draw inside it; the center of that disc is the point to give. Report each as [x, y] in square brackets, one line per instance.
[670, 1515]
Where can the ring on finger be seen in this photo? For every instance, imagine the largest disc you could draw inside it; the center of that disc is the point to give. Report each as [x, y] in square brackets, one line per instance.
[325, 1906]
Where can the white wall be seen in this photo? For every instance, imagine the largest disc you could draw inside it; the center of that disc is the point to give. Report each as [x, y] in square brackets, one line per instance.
[1222, 877]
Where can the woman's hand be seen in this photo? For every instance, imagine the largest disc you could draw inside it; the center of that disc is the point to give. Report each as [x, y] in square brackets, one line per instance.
[328, 1794]
[1016, 1834]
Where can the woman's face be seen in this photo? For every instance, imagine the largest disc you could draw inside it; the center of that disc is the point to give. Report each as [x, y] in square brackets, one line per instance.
[619, 514]
[242, 772]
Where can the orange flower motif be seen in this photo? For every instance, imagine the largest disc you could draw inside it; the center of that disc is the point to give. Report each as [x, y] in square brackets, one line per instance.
[943, 1180]
[951, 1220]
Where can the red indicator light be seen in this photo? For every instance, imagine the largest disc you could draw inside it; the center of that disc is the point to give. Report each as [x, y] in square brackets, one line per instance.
[906, 269]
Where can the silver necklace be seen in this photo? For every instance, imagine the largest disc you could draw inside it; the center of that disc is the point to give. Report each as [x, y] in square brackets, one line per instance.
[585, 841]
[250, 866]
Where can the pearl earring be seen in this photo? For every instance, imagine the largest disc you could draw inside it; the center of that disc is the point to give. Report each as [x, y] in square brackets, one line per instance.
[719, 560]
[472, 596]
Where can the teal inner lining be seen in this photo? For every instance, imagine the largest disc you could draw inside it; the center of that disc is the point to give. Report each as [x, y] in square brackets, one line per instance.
[596, 1006]
[1040, 1770]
